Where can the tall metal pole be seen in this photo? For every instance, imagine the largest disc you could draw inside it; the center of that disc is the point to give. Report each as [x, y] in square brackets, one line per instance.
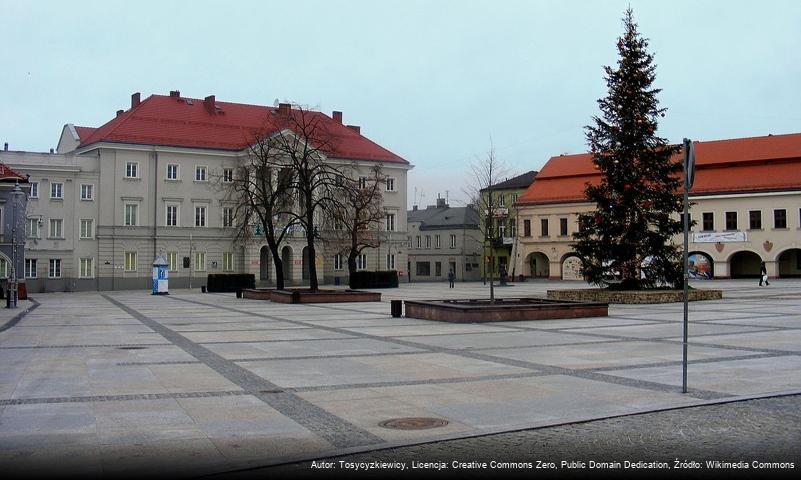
[685, 270]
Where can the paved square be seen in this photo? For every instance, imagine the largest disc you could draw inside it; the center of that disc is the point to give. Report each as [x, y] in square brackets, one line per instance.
[200, 383]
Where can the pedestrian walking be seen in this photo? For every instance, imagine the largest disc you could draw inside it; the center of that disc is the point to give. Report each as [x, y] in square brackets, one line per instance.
[763, 275]
[451, 277]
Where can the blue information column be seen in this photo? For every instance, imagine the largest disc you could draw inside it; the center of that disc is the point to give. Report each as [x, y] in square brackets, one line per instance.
[160, 276]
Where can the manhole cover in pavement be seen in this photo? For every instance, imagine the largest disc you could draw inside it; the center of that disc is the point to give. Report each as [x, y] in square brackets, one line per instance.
[413, 423]
[132, 348]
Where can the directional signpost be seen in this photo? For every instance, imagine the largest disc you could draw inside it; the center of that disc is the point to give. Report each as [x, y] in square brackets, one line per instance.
[689, 178]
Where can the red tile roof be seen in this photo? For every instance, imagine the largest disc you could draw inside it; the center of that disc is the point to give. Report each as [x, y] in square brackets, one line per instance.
[9, 175]
[770, 163]
[185, 122]
[84, 132]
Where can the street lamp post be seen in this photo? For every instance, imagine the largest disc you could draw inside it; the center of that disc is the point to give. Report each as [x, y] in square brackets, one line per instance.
[16, 193]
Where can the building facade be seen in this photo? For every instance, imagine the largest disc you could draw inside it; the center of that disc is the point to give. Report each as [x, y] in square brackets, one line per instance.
[151, 182]
[442, 239]
[499, 253]
[746, 202]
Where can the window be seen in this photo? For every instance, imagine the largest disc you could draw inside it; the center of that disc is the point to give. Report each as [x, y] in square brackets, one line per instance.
[501, 231]
[172, 216]
[228, 216]
[87, 228]
[453, 241]
[32, 228]
[390, 261]
[780, 218]
[131, 214]
[526, 228]
[563, 227]
[131, 170]
[437, 269]
[87, 269]
[338, 261]
[731, 220]
[87, 191]
[361, 261]
[57, 190]
[55, 268]
[172, 171]
[755, 219]
[544, 227]
[200, 216]
[130, 261]
[501, 200]
[200, 261]
[362, 182]
[172, 261]
[428, 241]
[34, 190]
[419, 242]
[512, 228]
[437, 242]
[708, 222]
[423, 269]
[390, 184]
[390, 222]
[200, 173]
[228, 175]
[409, 242]
[228, 261]
[3, 268]
[30, 268]
[56, 228]
[513, 199]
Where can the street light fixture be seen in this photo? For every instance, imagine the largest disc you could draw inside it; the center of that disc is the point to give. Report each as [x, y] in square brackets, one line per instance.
[16, 193]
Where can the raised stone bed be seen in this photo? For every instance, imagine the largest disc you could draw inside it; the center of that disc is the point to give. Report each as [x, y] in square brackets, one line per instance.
[257, 293]
[633, 296]
[504, 310]
[302, 295]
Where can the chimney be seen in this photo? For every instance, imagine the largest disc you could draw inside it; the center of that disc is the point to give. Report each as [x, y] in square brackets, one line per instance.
[120, 112]
[5, 147]
[337, 116]
[355, 128]
[135, 99]
[208, 102]
[284, 108]
[52, 151]
[175, 94]
[414, 208]
[441, 203]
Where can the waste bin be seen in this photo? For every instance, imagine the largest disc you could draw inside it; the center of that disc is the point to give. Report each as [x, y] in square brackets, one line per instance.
[397, 307]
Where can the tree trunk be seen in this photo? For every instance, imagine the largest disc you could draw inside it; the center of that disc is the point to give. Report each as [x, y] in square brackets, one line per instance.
[279, 267]
[352, 263]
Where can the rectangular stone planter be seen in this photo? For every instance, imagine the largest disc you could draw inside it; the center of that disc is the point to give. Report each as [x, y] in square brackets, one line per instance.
[323, 296]
[504, 310]
[633, 296]
[257, 293]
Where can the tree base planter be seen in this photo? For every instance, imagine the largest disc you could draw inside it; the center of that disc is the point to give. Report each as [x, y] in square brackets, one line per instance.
[257, 293]
[503, 310]
[303, 295]
[633, 296]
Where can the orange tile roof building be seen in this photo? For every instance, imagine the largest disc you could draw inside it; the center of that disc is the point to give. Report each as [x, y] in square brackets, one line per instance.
[746, 202]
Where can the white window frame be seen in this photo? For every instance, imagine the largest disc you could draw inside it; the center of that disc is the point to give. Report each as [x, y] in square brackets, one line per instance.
[389, 223]
[226, 177]
[167, 215]
[437, 241]
[60, 223]
[91, 228]
[338, 262]
[31, 272]
[90, 188]
[362, 182]
[205, 217]
[390, 184]
[4, 268]
[205, 173]
[54, 268]
[226, 210]
[361, 261]
[200, 261]
[390, 261]
[60, 189]
[177, 172]
[428, 241]
[126, 218]
[128, 264]
[131, 169]
[34, 193]
[172, 261]
[228, 261]
[33, 232]
[86, 272]
[453, 241]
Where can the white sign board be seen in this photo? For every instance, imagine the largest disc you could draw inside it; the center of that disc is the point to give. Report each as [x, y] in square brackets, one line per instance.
[722, 237]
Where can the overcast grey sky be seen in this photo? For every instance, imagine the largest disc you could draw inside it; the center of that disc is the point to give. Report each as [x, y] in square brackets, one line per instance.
[432, 81]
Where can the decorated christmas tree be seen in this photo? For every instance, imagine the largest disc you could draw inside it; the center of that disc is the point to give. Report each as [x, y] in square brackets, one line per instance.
[626, 242]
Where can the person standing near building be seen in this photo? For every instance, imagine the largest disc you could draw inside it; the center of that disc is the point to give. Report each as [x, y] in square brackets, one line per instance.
[451, 277]
[763, 274]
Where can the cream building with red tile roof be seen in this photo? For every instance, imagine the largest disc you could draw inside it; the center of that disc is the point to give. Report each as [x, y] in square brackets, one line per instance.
[746, 201]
